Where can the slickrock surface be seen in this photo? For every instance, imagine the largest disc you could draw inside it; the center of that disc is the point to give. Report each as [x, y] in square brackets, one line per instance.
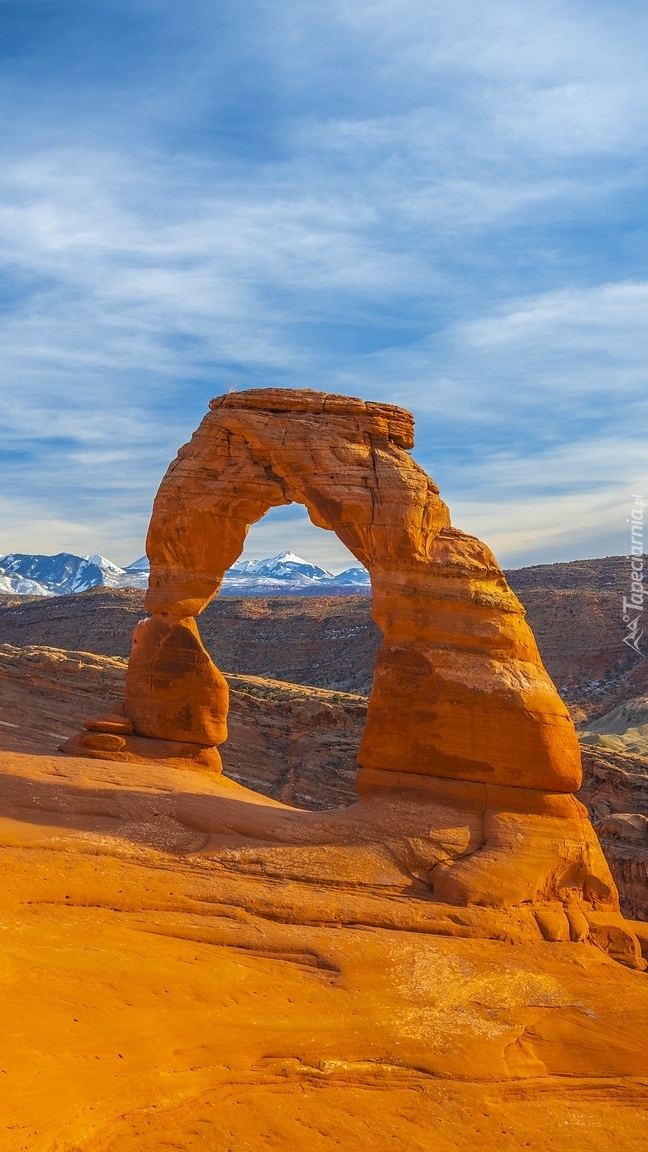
[180, 971]
[189, 965]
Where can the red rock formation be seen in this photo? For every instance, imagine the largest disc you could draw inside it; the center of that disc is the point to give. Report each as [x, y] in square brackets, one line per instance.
[186, 964]
[462, 715]
[173, 689]
[459, 667]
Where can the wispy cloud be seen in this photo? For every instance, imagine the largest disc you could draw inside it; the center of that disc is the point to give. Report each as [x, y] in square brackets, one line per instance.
[439, 205]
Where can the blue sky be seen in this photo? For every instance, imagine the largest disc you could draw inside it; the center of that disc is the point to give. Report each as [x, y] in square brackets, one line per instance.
[440, 205]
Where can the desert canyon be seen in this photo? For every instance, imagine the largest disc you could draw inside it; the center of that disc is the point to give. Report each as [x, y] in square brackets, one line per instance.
[423, 951]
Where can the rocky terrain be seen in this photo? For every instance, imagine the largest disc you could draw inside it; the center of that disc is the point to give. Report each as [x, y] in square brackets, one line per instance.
[615, 791]
[573, 609]
[295, 744]
[190, 963]
[298, 745]
[575, 612]
[325, 642]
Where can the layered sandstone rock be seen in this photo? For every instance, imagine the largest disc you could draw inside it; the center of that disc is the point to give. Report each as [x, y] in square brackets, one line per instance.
[615, 790]
[46, 693]
[458, 666]
[463, 716]
[290, 742]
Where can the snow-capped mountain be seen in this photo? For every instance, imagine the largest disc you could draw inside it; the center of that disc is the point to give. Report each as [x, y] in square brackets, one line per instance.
[134, 576]
[285, 566]
[63, 574]
[59, 575]
[141, 565]
[15, 585]
[22, 574]
[288, 574]
[354, 576]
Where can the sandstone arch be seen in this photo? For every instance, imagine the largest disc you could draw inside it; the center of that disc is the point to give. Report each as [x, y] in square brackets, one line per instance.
[460, 691]
[469, 758]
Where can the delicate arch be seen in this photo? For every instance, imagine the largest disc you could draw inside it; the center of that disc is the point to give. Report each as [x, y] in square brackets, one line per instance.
[460, 691]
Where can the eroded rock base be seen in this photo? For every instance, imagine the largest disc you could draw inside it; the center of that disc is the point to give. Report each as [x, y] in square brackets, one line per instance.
[186, 964]
[461, 844]
[111, 736]
[142, 749]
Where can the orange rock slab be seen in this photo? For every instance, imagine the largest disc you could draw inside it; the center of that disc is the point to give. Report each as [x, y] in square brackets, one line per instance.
[186, 964]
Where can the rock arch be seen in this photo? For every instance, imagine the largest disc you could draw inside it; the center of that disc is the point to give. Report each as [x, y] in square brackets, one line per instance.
[469, 757]
[460, 692]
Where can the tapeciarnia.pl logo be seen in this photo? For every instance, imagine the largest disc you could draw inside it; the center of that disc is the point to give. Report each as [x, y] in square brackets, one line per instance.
[633, 605]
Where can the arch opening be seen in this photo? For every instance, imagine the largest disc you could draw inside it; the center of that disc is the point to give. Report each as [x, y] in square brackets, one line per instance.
[288, 528]
[299, 662]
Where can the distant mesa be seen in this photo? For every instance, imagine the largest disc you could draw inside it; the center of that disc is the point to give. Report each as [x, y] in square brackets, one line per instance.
[22, 574]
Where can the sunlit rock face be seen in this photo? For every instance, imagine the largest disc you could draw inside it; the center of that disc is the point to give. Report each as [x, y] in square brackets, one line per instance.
[462, 711]
[460, 690]
[173, 689]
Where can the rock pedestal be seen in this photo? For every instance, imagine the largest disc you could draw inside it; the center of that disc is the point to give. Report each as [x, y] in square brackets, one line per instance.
[173, 689]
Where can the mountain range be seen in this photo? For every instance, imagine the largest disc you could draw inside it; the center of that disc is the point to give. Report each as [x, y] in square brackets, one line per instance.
[22, 574]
